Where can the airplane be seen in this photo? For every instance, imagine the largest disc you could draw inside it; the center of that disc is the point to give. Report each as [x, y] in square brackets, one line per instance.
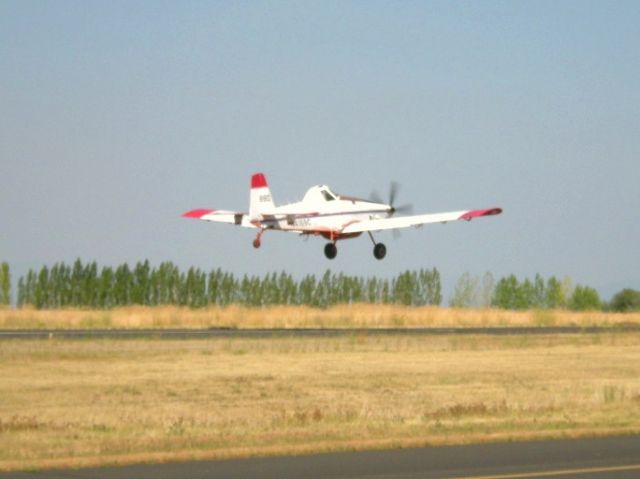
[324, 213]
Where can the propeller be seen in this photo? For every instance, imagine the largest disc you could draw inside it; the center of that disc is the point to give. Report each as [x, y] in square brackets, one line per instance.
[393, 191]
[375, 197]
[394, 187]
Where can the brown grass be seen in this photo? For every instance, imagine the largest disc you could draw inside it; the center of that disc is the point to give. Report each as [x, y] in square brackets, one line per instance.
[71, 403]
[341, 316]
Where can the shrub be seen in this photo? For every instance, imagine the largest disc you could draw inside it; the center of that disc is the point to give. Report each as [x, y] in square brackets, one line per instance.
[625, 300]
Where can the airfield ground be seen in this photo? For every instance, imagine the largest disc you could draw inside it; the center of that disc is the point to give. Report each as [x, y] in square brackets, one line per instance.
[341, 316]
[66, 403]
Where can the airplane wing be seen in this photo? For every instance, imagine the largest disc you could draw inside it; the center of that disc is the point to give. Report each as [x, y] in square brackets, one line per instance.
[242, 219]
[220, 216]
[416, 220]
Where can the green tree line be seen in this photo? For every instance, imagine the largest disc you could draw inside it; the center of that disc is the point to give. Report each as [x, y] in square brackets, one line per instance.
[538, 293]
[5, 284]
[86, 285]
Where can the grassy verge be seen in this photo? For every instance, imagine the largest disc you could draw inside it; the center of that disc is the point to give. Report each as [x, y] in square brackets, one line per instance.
[341, 316]
[74, 403]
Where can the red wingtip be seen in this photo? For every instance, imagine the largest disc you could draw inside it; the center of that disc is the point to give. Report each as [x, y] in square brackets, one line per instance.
[199, 213]
[258, 181]
[476, 213]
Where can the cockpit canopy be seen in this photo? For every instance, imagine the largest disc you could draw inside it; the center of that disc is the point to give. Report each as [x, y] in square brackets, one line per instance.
[320, 193]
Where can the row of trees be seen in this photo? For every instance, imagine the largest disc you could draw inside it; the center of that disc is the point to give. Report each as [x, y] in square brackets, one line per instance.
[85, 285]
[5, 284]
[510, 293]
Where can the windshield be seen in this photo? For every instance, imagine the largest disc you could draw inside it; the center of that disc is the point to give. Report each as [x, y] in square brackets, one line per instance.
[328, 196]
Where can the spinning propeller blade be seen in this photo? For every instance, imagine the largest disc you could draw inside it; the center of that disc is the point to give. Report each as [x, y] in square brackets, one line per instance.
[394, 187]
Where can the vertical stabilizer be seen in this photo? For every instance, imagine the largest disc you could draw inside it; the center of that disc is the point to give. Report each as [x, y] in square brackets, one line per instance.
[260, 200]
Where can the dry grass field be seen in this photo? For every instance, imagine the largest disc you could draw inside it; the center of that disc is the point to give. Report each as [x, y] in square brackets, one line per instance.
[88, 402]
[342, 316]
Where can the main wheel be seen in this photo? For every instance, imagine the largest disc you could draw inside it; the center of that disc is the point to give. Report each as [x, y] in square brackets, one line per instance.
[256, 243]
[330, 250]
[379, 251]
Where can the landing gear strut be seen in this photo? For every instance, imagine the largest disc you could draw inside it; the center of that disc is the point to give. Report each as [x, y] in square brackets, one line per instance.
[330, 250]
[379, 249]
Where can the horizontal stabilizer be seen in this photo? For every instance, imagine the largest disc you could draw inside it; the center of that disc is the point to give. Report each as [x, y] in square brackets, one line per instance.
[220, 216]
[198, 213]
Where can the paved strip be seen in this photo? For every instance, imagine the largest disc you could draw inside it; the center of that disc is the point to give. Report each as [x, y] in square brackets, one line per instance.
[604, 471]
[613, 457]
[302, 332]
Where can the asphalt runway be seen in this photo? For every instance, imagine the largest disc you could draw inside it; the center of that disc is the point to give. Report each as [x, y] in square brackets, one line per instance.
[615, 457]
[302, 332]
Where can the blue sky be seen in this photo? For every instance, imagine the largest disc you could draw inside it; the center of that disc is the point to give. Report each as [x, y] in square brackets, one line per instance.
[116, 117]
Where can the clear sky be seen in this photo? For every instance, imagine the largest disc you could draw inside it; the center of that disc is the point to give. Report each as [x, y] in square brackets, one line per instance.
[116, 117]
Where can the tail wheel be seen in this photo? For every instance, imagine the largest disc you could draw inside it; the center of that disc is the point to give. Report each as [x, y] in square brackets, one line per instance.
[257, 242]
[330, 250]
[379, 251]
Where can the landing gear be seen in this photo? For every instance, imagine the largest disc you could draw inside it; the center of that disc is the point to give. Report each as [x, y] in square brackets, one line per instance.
[257, 242]
[379, 249]
[330, 250]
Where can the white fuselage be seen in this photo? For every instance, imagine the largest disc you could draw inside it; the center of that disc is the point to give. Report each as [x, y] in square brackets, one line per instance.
[321, 208]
